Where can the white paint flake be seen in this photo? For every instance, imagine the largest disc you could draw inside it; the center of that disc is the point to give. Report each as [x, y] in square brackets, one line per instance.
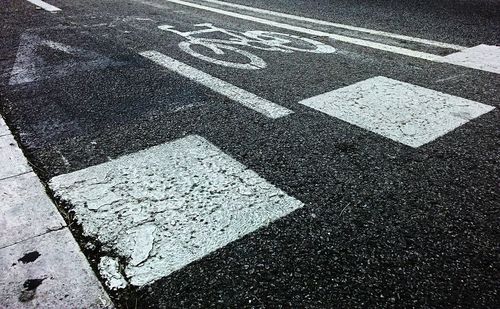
[403, 112]
[143, 244]
[245, 98]
[481, 57]
[169, 205]
[109, 268]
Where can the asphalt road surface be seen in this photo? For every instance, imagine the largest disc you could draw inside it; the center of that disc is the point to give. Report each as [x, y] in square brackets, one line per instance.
[220, 155]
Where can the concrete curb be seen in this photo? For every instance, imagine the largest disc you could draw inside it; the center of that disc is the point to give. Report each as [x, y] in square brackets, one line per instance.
[40, 261]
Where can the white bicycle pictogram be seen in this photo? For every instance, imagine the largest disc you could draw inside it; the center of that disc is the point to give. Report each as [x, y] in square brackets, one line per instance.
[208, 49]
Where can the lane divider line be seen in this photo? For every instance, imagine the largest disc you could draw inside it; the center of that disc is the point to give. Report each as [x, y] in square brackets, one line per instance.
[341, 26]
[247, 99]
[45, 5]
[341, 38]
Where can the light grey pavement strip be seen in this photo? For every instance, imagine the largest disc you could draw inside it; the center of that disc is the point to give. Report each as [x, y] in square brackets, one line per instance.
[403, 112]
[25, 210]
[40, 263]
[4, 130]
[245, 98]
[12, 160]
[167, 206]
[481, 57]
[48, 271]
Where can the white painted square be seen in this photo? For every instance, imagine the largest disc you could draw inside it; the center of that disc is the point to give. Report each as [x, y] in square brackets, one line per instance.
[12, 160]
[403, 112]
[170, 205]
[25, 209]
[67, 281]
[4, 130]
[481, 57]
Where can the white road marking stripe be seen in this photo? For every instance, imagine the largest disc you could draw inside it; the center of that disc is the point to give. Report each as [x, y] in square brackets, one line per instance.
[250, 100]
[346, 39]
[409, 114]
[342, 26]
[481, 57]
[167, 206]
[44, 5]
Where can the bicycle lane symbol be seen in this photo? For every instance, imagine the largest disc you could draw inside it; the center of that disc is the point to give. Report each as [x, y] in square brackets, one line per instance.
[214, 48]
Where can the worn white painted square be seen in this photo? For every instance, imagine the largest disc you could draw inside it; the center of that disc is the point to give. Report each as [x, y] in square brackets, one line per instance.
[4, 130]
[481, 57]
[170, 205]
[12, 160]
[25, 209]
[409, 114]
[67, 281]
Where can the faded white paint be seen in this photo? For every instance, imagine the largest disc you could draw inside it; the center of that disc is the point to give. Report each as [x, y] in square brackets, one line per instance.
[44, 5]
[481, 57]
[403, 112]
[25, 210]
[245, 98]
[12, 160]
[167, 206]
[30, 67]
[67, 281]
[338, 25]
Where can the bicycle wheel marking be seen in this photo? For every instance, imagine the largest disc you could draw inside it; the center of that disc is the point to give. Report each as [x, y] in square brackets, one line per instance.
[261, 40]
[255, 63]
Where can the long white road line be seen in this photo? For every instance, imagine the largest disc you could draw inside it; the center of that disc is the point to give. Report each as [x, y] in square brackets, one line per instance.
[341, 38]
[44, 5]
[337, 25]
[250, 100]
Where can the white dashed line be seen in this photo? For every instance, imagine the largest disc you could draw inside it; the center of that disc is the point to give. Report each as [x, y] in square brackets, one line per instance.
[250, 100]
[167, 206]
[481, 57]
[341, 26]
[403, 112]
[45, 5]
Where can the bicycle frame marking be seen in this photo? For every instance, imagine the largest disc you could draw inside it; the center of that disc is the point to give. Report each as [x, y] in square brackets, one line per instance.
[261, 40]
